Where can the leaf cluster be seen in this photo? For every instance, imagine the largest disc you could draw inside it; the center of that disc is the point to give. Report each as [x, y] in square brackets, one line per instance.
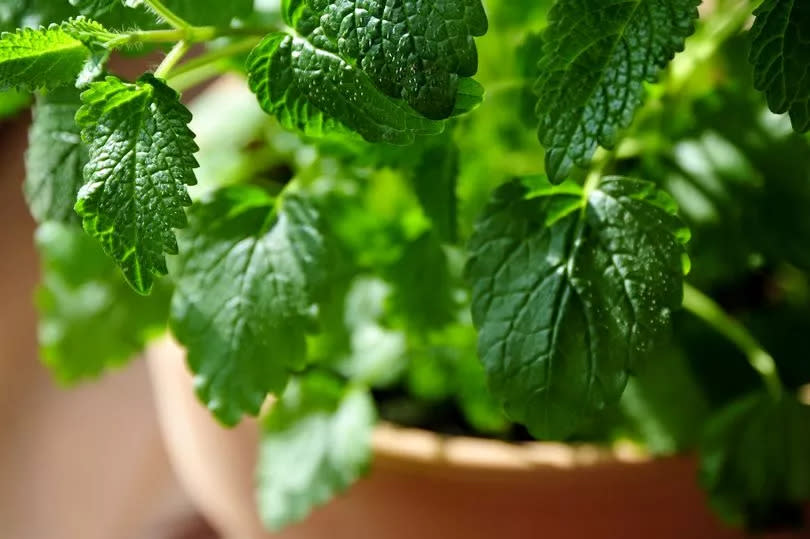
[367, 227]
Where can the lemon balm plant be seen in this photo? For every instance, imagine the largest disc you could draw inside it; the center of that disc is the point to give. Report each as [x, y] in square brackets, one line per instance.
[391, 240]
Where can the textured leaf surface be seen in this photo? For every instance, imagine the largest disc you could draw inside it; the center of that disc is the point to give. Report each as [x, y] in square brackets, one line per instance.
[567, 298]
[382, 69]
[141, 160]
[245, 283]
[780, 53]
[316, 443]
[597, 56]
[56, 157]
[90, 319]
[754, 458]
[318, 92]
[46, 58]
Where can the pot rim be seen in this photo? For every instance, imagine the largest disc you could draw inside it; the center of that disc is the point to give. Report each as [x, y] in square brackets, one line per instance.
[420, 447]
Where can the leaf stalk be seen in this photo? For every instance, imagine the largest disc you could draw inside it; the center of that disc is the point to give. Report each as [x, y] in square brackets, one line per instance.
[708, 310]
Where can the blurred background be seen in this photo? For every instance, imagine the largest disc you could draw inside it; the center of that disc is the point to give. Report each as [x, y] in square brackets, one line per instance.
[84, 463]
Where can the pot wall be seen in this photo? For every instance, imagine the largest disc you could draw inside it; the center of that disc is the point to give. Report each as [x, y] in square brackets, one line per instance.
[426, 487]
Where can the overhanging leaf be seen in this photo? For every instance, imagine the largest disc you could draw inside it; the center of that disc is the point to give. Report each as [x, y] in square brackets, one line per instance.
[56, 157]
[246, 280]
[780, 54]
[141, 160]
[597, 56]
[386, 71]
[316, 442]
[46, 58]
[569, 297]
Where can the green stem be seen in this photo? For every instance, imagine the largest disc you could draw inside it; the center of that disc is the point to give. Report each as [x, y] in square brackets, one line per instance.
[175, 55]
[713, 314]
[214, 55]
[167, 14]
[192, 78]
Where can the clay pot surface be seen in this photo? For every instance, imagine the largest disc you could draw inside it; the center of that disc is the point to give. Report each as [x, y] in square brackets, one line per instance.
[426, 486]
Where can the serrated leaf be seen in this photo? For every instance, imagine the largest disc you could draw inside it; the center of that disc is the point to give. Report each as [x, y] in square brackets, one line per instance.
[754, 459]
[246, 280]
[141, 160]
[382, 70]
[316, 442]
[569, 298]
[45, 58]
[412, 50]
[317, 92]
[780, 54]
[597, 56]
[90, 320]
[56, 157]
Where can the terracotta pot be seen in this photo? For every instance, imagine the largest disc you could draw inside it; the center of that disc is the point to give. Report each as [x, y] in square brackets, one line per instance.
[426, 486]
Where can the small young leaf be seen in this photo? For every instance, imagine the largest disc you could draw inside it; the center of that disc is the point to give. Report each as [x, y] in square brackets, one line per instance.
[316, 443]
[568, 298]
[246, 280]
[754, 459]
[780, 54]
[141, 160]
[56, 157]
[45, 58]
[90, 319]
[597, 56]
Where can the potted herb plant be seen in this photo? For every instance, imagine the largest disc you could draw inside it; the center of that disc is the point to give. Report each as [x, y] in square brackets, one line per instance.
[364, 231]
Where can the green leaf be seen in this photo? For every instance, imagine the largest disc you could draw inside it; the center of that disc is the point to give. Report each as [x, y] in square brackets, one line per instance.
[45, 58]
[141, 160]
[412, 50]
[568, 298]
[780, 54]
[12, 102]
[664, 405]
[528, 53]
[387, 72]
[95, 8]
[316, 443]
[55, 158]
[318, 92]
[33, 13]
[246, 281]
[422, 285]
[597, 56]
[754, 458]
[434, 179]
[90, 320]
